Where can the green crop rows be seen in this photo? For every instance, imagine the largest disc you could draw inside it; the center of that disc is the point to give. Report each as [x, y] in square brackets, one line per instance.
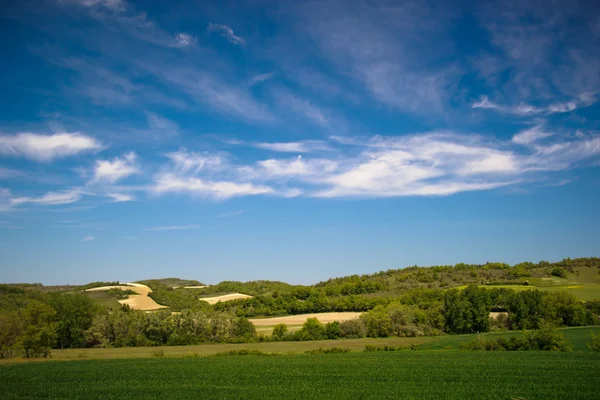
[394, 375]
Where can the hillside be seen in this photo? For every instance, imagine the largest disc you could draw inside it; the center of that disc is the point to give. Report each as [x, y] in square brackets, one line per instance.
[580, 277]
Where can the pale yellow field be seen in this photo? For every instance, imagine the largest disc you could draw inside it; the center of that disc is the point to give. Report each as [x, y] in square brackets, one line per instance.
[140, 301]
[300, 319]
[226, 297]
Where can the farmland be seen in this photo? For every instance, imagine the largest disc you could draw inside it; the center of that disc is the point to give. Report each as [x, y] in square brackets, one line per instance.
[381, 375]
[578, 336]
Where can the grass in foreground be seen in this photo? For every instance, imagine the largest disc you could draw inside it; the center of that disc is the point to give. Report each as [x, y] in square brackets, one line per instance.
[407, 374]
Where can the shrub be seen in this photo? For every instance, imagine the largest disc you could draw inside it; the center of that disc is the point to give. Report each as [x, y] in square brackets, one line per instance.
[546, 338]
[158, 353]
[246, 352]
[559, 272]
[330, 350]
[279, 331]
[312, 329]
[332, 330]
[594, 344]
[353, 329]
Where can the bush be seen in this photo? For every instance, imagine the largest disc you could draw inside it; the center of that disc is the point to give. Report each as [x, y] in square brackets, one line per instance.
[594, 344]
[331, 350]
[158, 353]
[370, 347]
[312, 329]
[279, 331]
[546, 339]
[245, 352]
[559, 272]
[353, 329]
[332, 330]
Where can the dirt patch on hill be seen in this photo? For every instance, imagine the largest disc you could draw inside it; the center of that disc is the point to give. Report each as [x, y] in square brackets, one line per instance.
[300, 319]
[226, 297]
[141, 301]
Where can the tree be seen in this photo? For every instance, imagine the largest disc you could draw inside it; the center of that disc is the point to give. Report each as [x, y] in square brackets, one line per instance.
[332, 330]
[74, 315]
[39, 334]
[353, 329]
[244, 329]
[594, 343]
[377, 322]
[10, 330]
[312, 329]
[279, 331]
[467, 311]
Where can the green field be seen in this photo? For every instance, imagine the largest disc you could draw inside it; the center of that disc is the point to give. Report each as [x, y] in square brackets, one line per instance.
[578, 336]
[381, 375]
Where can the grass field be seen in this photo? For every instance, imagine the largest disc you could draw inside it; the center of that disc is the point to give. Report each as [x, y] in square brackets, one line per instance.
[381, 375]
[585, 285]
[579, 336]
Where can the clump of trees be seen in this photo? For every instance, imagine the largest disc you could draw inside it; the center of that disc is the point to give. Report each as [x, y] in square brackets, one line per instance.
[546, 338]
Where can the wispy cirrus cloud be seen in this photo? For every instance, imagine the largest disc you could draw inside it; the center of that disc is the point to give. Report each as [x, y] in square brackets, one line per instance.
[172, 228]
[188, 161]
[50, 198]
[227, 32]
[256, 79]
[231, 214]
[306, 146]
[524, 109]
[88, 238]
[120, 197]
[45, 148]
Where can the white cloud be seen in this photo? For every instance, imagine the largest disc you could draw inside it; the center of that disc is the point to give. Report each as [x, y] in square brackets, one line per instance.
[287, 100]
[114, 5]
[524, 109]
[120, 197]
[161, 126]
[46, 148]
[297, 166]
[7, 173]
[169, 183]
[172, 228]
[50, 198]
[227, 32]
[230, 214]
[306, 146]
[260, 78]
[88, 238]
[184, 39]
[186, 161]
[529, 136]
[118, 168]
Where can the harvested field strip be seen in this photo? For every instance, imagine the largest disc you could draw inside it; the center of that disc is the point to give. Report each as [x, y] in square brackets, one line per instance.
[225, 297]
[137, 302]
[381, 375]
[300, 319]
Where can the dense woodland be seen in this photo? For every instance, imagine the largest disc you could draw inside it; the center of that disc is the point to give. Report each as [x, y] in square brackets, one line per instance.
[414, 301]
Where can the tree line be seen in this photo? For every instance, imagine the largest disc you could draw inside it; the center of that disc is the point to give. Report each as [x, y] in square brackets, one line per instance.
[32, 323]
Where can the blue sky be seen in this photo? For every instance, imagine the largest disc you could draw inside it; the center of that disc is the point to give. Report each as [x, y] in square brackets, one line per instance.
[294, 141]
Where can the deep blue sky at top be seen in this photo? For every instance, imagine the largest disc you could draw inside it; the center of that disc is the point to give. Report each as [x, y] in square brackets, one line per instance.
[296, 140]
